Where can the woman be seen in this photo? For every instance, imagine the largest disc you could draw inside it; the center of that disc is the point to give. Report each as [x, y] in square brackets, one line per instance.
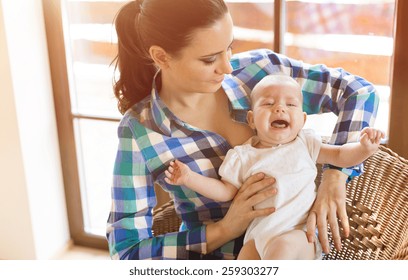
[183, 96]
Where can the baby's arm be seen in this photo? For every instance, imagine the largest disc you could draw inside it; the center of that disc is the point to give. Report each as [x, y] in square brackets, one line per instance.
[179, 173]
[351, 154]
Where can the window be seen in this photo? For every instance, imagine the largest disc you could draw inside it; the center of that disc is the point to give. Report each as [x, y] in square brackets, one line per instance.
[353, 35]
[82, 43]
[348, 34]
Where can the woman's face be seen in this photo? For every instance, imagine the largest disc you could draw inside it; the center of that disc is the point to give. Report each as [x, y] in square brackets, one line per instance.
[201, 66]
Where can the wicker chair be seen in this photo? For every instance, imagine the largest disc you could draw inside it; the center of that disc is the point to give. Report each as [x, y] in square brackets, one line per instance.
[377, 206]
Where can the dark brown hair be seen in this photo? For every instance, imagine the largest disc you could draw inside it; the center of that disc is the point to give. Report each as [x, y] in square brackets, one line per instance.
[169, 24]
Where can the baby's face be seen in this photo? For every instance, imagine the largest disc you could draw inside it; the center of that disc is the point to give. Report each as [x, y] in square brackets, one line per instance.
[277, 113]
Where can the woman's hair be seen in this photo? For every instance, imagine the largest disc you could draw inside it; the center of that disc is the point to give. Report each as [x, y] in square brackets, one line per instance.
[169, 24]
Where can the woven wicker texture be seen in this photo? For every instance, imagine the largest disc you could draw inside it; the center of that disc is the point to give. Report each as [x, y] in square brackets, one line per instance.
[377, 206]
[165, 219]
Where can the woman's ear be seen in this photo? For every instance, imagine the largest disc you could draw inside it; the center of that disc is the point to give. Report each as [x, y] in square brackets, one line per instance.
[159, 56]
[250, 119]
[304, 118]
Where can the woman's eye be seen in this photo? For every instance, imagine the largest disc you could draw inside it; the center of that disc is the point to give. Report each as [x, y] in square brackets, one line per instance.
[292, 105]
[209, 61]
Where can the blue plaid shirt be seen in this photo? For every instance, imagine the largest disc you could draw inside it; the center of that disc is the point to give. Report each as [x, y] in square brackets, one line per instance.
[150, 136]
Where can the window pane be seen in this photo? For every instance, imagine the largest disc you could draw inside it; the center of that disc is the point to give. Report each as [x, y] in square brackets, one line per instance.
[97, 145]
[354, 35]
[253, 24]
[90, 42]
[91, 47]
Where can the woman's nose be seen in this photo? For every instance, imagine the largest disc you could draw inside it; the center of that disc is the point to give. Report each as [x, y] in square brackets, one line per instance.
[225, 65]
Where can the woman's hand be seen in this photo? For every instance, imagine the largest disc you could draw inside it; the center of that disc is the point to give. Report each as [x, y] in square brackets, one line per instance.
[330, 204]
[256, 189]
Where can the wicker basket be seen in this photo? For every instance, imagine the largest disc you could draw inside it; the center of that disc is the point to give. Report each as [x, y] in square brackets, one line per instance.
[377, 206]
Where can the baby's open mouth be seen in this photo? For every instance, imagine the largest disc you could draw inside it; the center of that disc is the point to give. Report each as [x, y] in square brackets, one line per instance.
[280, 124]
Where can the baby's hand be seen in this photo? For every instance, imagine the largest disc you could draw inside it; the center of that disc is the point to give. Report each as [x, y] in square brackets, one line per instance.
[177, 173]
[370, 138]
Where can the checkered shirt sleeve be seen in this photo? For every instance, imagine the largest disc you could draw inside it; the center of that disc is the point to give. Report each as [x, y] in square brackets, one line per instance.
[133, 198]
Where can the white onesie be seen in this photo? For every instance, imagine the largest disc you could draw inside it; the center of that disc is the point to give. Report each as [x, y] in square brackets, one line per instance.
[293, 165]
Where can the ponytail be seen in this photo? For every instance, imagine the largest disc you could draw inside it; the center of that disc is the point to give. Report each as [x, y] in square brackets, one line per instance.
[136, 69]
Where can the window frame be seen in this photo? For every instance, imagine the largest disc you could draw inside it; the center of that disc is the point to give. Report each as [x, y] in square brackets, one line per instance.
[398, 135]
[65, 124]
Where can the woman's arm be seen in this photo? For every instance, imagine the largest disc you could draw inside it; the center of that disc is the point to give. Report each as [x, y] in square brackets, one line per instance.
[332, 192]
[328, 208]
[351, 98]
[129, 230]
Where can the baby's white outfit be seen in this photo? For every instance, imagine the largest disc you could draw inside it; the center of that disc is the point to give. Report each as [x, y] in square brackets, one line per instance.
[293, 165]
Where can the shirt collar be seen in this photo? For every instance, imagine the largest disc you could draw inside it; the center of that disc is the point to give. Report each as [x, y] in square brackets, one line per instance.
[237, 93]
[162, 115]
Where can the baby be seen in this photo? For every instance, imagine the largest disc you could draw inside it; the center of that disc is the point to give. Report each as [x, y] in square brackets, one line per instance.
[283, 150]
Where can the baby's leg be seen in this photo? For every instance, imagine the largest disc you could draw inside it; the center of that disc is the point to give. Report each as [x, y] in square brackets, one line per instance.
[248, 251]
[292, 245]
